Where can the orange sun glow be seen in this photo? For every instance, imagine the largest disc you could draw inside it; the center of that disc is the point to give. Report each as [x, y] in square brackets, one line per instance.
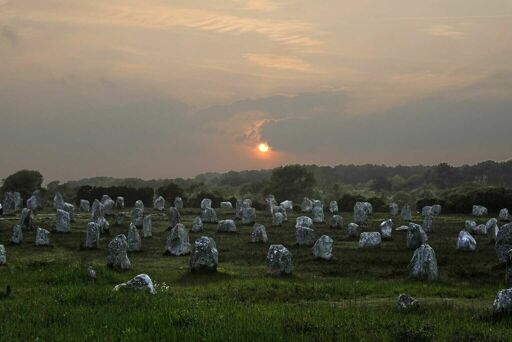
[263, 147]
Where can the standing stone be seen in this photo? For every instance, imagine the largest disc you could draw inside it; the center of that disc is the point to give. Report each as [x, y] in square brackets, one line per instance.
[197, 225]
[336, 221]
[277, 219]
[479, 210]
[282, 210]
[304, 221]
[9, 204]
[85, 206]
[503, 302]
[508, 272]
[305, 236]
[427, 211]
[360, 213]
[159, 203]
[318, 215]
[428, 223]
[504, 242]
[437, 209]
[481, 229]
[178, 203]
[205, 256]
[147, 227]
[393, 209]
[226, 226]
[120, 217]
[333, 207]
[208, 215]
[226, 205]
[103, 224]
[92, 237]
[120, 202]
[492, 229]
[134, 241]
[323, 247]
[306, 205]
[259, 233]
[58, 201]
[26, 219]
[416, 236]
[42, 237]
[247, 203]
[287, 205]
[423, 264]
[270, 203]
[238, 208]
[174, 217]
[406, 213]
[504, 215]
[139, 204]
[17, 235]
[470, 225]
[63, 221]
[370, 240]
[18, 201]
[3, 255]
[97, 210]
[178, 241]
[117, 257]
[33, 204]
[70, 208]
[138, 216]
[279, 260]
[108, 205]
[466, 242]
[353, 230]
[405, 302]
[206, 203]
[142, 282]
[386, 229]
[105, 198]
[248, 215]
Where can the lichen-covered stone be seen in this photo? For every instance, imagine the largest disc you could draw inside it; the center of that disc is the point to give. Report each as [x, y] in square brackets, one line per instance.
[423, 264]
[42, 237]
[63, 221]
[147, 227]
[323, 247]
[277, 219]
[318, 214]
[416, 236]
[178, 241]
[197, 225]
[480, 229]
[470, 225]
[504, 215]
[353, 230]
[393, 209]
[428, 223]
[133, 239]
[286, 205]
[9, 204]
[405, 302]
[142, 282]
[259, 233]
[17, 235]
[504, 242]
[92, 236]
[333, 207]
[138, 216]
[360, 213]
[26, 219]
[206, 203]
[117, 256]
[97, 210]
[304, 221]
[370, 240]
[336, 222]
[306, 205]
[85, 206]
[204, 256]
[406, 213]
[427, 211]
[208, 215]
[479, 210]
[178, 203]
[305, 236]
[437, 209]
[103, 224]
[139, 204]
[466, 242]
[226, 205]
[58, 201]
[159, 203]
[386, 229]
[120, 202]
[503, 302]
[33, 204]
[248, 215]
[279, 260]
[173, 217]
[108, 205]
[492, 229]
[226, 226]
[3, 255]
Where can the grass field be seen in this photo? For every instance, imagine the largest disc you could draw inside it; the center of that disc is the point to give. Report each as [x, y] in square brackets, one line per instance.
[348, 298]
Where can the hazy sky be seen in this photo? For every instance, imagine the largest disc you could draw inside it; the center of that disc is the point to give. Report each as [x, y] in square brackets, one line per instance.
[162, 88]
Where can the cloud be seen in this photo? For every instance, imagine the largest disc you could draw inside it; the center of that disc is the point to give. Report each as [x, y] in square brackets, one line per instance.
[445, 31]
[10, 35]
[278, 62]
[260, 5]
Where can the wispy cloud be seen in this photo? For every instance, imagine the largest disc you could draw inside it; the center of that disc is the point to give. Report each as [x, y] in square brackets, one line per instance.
[278, 62]
[10, 35]
[445, 31]
[260, 5]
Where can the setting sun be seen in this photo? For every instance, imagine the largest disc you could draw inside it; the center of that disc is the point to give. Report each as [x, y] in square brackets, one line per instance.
[263, 147]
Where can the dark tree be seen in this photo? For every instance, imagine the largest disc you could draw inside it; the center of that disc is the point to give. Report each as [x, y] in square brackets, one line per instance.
[24, 181]
[292, 182]
[170, 191]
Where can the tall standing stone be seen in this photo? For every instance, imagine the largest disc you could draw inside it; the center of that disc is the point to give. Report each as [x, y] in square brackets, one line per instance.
[9, 204]
[178, 203]
[178, 241]
[92, 237]
[70, 208]
[58, 201]
[259, 233]
[97, 210]
[208, 215]
[360, 213]
[85, 206]
[3, 255]
[504, 242]
[279, 260]
[33, 204]
[63, 221]
[197, 225]
[206, 203]
[437, 209]
[204, 256]
[147, 227]
[406, 213]
[466, 242]
[305, 236]
[108, 205]
[277, 219]
[159, 203]
[120, 202]
[173, 217]
[138, 216]
[17, 235]
[333, 207]
[134, 241]
[393, 209]
[428, 223]
[306, 205]
[504, 215]
[386, 229]
[416, 236]
[318, 214]
[323, 247]
[336, 221]
[423, 264]
[26, 219]
[117, 256]
[248, 215]
[42, 237]
[492, 229]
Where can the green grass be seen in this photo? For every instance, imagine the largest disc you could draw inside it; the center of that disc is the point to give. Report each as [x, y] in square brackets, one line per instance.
[348, 298]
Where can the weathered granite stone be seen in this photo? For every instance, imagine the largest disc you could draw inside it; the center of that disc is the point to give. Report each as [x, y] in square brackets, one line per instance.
[226, 226]
[466, 242]
[406, 213]
[470, 225]
[259, 233]
[393, 209]
[270, 203]
[238, 208]
[481, 229]
[178, 241]
[26, 219]
[479, 210]
[120, 202]
[33, 204]
[3, 255]
[173, 217]
[97, 210]
[178, 203]
[318, 215]
[91, 273]
[336, 221]
[9, 204]
[353, 230]
[405, 302]
[504, 215]
[370, 240]
[279, 209]
[402, 229]
[503, 302]
[279, 260]
[139, 204]
[204, 256]
[133, 238]
[304, 221]
[208, 215]
[120, 217]
[42, 237]
[306, 205]
[63, 224]
[360, 213]
[416, 236]
[17, 235]
[117, 257]
[423, 264]
[248, 215]
[386, 229]
[226, 205]
[85, 206]
[138, 216]
[286, 205]
[504, 242]
[247, 203]
[333, 207]
[508, 271]
[108, 206]
[70, 208]
[323, 247]
[58, 201]
[305, 236]
[492, 229]
[437, 209]
[197, 225]
[159, 203]
[18, 201]
[105, 198]
[92, 236]
[142, 282]
[206, 203]
[103, 224]
[428, 223]
[277, 219]
[147, 227]
[427, 211]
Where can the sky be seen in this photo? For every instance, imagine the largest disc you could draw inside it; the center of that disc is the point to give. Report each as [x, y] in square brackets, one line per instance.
[174, 88]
